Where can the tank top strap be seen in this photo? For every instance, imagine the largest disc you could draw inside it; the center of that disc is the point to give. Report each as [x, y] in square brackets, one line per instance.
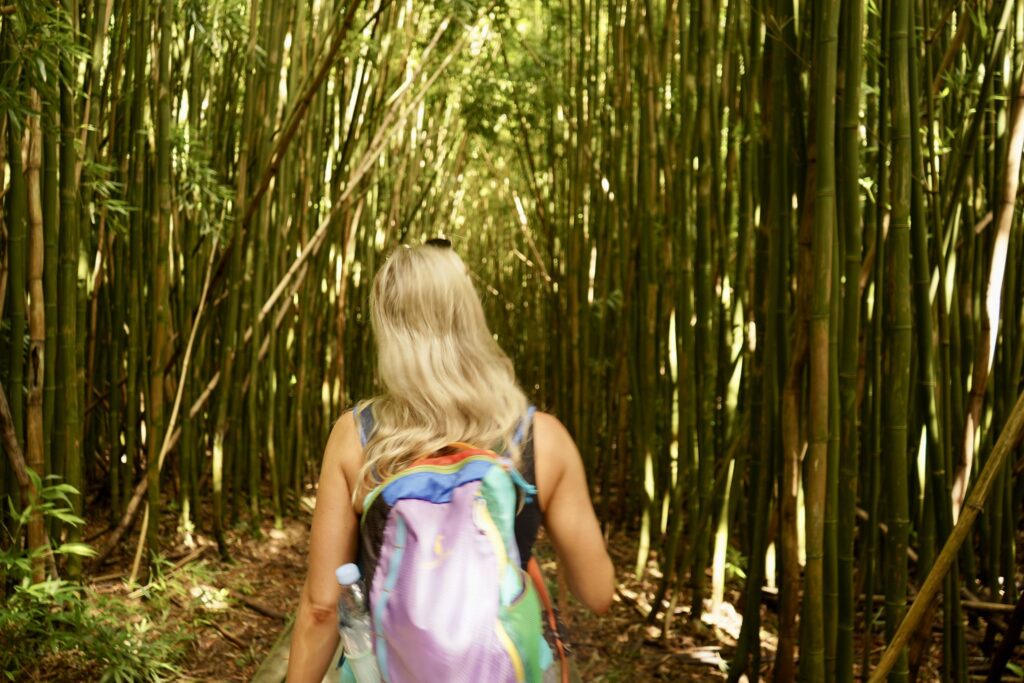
[525, 425]
[363, 413]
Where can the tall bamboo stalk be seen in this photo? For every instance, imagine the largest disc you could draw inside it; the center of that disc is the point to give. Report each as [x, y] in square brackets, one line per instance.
[35, 446]
[850, 346]
[16, 219]
[159, 322]
[899, 328]
[69, 415]
[813, 660]
[704, 308]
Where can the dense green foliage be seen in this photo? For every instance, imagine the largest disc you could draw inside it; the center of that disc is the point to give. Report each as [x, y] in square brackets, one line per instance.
[55, 628]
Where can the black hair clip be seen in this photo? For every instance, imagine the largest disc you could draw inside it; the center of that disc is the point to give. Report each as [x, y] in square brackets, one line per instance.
[441, 242]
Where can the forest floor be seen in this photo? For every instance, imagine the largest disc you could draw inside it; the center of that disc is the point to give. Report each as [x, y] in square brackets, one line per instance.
[230, 614]
[227, 616]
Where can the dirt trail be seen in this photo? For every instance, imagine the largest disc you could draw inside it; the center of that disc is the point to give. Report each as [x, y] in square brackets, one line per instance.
[235, 613]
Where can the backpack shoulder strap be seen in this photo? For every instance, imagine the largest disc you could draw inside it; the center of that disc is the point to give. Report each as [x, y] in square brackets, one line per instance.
[551, 615]
[363, 413]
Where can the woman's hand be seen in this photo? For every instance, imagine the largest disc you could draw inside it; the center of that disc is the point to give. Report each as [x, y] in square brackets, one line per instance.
[332, 543]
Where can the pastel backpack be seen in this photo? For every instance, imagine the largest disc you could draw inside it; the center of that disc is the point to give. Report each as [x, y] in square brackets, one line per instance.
[448, 599]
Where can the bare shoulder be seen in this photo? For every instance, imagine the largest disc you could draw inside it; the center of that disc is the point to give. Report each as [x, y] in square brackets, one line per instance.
[344, 434]
[547, 421]
[550, 436]
[554, 453]
[344, 449]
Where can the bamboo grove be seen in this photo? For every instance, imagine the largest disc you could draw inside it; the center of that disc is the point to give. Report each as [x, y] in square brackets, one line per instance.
[763, 258]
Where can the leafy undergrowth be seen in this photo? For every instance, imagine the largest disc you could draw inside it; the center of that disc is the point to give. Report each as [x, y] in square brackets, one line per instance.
[61, 630]
[226, 615]
[57, 631]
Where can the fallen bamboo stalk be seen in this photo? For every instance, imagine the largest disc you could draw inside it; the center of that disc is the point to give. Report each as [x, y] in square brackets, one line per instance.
[259, 608]
[234, 640]
[982, 606]
[1007, 442]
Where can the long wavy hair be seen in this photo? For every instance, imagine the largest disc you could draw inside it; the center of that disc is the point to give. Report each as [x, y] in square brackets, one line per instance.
[445, 378]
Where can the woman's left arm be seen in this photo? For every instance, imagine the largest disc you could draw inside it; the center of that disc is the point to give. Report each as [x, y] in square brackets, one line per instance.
[332, 543]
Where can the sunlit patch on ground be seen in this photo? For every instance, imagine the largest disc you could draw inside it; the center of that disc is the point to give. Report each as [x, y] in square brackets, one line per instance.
[210, 598]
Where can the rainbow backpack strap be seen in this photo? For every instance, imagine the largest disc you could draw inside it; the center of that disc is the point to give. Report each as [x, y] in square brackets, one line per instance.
[448, 597]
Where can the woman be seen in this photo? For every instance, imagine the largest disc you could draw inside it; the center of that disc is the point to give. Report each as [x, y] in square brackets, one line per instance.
[445, 380]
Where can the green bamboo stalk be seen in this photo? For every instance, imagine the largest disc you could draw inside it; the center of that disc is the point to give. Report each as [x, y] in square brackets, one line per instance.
[69, 410]
[136, 198]
[159, 322]
[236, 248]
[685, 390]
[831, 559]
[647, 291]
[729, 308]
[896, 394]
[704, 307]
[51, 227]
[16, 220]
[928, 395]
[779, 204]
[813, 663]
[765, 368]
[850, 221]
[878, 307]
[35, 447]
[119, 476]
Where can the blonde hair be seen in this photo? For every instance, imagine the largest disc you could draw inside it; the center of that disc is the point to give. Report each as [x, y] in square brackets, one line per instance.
[444, 376]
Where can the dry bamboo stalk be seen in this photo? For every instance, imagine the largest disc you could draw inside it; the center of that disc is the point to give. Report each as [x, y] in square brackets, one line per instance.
[1008, 441]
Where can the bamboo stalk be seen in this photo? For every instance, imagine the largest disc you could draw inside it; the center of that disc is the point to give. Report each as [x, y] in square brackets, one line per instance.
[792, 444]
[703, 304]
[896, 390]
[16, 222]
[813, 653]
[69, 408]
[849, 196]
[35, 445]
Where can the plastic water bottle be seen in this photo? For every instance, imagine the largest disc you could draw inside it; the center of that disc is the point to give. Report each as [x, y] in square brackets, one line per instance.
[354, 625]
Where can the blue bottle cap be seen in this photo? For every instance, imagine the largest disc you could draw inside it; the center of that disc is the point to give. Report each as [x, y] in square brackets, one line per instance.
[347, 574]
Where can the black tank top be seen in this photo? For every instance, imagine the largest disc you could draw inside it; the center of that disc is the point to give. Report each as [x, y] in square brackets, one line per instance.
[528, 519]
